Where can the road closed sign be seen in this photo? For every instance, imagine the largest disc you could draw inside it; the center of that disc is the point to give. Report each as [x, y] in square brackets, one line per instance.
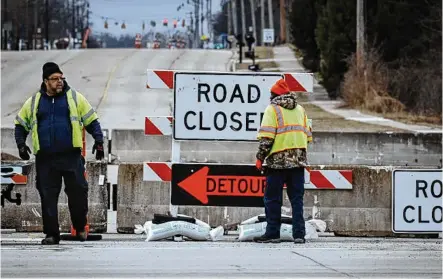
[417, 201]
[220, 106]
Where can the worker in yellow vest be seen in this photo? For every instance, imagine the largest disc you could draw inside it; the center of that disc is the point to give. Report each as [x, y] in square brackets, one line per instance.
[55, 117]
[283, 140]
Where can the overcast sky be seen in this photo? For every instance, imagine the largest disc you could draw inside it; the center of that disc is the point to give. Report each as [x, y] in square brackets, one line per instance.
[134, 12]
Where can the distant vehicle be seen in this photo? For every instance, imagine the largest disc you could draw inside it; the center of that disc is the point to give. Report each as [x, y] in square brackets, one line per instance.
[156, 44]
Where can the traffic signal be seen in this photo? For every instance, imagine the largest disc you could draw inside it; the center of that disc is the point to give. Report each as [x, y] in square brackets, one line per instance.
[106, 24]
[152, 23]
[165, 22]
[143, 26]
[175, 23]
[183, 23]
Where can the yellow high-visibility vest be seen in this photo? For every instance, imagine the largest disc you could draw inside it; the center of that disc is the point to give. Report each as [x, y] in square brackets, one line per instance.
[289, 128]
[81, 113]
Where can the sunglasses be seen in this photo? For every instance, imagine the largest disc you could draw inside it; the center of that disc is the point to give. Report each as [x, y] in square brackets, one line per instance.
[57, 79]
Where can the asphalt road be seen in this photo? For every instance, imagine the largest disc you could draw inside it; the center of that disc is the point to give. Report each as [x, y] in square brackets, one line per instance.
[131, 256]
[113, 80]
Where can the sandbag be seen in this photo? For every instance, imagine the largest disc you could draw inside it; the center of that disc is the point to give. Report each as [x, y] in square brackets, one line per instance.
[197, 221]
[139, 229]
[217, 233]
[170, 229]
[261, 218]
[163, 218]
[318, 224]
[248, 231]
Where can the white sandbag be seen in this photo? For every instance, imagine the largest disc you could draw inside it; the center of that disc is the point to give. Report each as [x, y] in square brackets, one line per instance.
[169, 229]
[311, 232]
[248, 231]
[217, 233]
[254, 219]
[139, 229]
[197, 221]
[318, 224]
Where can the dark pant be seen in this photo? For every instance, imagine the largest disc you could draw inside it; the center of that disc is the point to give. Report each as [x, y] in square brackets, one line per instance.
[50, 170]
[275, 179]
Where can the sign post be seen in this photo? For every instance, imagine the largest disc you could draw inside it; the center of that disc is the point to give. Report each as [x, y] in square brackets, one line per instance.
[417, 201]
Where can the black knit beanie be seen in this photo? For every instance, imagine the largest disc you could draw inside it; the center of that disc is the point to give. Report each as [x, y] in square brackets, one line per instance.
[49, 68]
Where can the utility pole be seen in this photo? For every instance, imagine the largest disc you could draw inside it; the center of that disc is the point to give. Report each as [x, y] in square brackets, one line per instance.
[4, 22]
[73, 21]
[254, 26]
[270, 15]
[229, 11]
[360, 33]
[35, 8]
[262, 18]
[208, 22]
[243, 18]
[283, 28]
[47, 22]
[234, 13]
[87, 14]
[197, 20]
[202, 16]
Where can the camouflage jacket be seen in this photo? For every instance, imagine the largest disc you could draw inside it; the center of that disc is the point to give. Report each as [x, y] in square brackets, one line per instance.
[291, 158]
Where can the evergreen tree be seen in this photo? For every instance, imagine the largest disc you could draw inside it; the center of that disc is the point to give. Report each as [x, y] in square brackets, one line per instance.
[336, 38]
[303, 19]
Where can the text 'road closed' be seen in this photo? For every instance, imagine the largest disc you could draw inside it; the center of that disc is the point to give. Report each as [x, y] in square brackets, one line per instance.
[425, 214]
[204, 120]
[224, 107]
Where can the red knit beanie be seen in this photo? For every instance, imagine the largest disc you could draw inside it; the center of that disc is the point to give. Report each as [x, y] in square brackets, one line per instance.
[280, 87]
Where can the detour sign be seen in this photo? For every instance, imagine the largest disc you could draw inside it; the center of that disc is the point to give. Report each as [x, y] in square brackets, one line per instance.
[217, 185]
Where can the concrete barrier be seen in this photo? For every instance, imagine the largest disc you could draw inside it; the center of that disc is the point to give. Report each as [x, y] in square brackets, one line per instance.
[363, 211]
[9, 146]
[27, 216]
[378, 149]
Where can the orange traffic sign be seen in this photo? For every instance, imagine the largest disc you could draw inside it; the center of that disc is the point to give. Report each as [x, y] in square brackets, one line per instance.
[217, 185]
[239, 185]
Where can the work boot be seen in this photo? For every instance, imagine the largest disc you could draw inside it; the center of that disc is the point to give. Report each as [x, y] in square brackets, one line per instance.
[50, 240]
[266, 239]
[299, 240]
[82, 236]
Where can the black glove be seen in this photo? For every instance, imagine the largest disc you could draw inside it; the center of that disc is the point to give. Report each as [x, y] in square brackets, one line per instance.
[24, 151]
[98, 146]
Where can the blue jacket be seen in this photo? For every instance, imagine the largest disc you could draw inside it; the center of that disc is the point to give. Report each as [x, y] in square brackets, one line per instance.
[54, 125]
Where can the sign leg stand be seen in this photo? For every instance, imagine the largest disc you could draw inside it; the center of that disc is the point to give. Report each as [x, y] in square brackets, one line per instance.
[175, 158]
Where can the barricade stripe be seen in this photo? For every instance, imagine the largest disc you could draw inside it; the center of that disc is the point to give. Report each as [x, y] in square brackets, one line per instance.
[158, 125]
[150, 128]
[162, 170]
[293, 83]
[149, 174]
[347, 174]
[320, 181]
[167, 77]
[337, 179]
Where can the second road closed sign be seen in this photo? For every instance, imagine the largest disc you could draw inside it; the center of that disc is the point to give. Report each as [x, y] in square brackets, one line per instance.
[417, 201]
[220, 106]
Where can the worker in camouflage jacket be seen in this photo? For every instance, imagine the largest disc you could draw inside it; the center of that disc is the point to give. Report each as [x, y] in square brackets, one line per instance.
[283, 140]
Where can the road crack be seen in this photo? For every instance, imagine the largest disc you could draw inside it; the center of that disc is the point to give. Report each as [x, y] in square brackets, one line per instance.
[325, 266]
